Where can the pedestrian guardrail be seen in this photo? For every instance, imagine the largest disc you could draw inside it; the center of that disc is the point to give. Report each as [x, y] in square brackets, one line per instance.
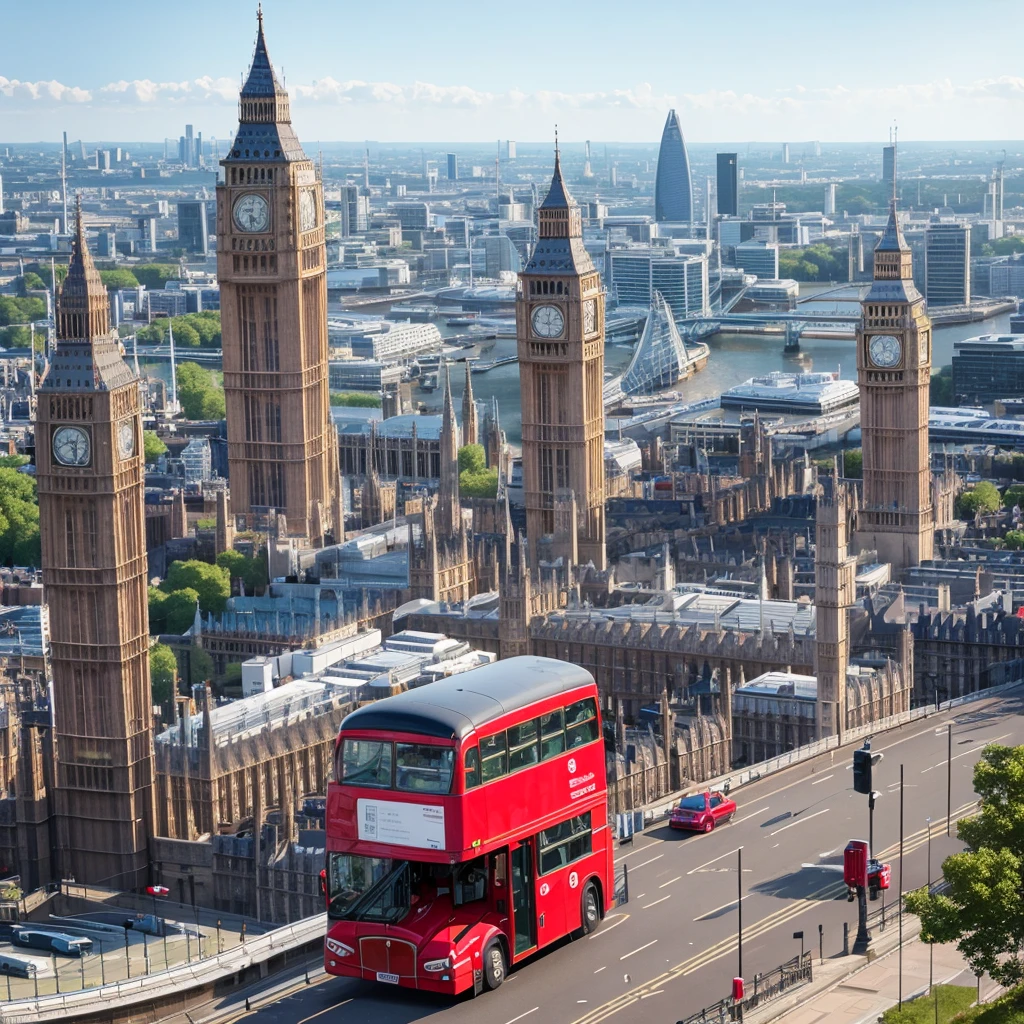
[765, 987]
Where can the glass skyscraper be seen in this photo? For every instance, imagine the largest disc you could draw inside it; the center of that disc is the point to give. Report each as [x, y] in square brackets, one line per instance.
[673, 202]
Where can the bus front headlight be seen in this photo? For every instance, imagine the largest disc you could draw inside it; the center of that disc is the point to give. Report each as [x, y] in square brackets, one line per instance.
[338, 948]
[438, 965]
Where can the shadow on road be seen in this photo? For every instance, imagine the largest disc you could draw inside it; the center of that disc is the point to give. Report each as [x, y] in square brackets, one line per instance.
[805, 884]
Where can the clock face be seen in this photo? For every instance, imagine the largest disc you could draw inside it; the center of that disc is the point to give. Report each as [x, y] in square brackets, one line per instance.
[307, 210]
[547, 321]
[252, 213]
[885, 350]
[71, 446]
[590, 316]
[923, 354]
[126, 439]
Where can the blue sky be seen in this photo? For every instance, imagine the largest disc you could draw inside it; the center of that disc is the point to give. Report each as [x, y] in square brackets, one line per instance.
[465, 72]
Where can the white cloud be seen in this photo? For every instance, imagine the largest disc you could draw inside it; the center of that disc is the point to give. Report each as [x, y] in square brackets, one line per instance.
[26, 93]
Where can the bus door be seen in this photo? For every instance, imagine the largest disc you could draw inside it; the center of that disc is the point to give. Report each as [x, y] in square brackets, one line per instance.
[524, 910]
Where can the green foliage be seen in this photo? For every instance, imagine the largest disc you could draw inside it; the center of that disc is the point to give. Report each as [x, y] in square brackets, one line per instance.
[1014, 540]
[984, 498]
[983, 910]
[155, 275]
[20, 337]
[163, 672]
[19, 518]
[478, 484]
[1013, 495]
[29, 280]
[200, 666]
[157, 614]
[14, 461]
[941, 387]
[179, 608]
[472, 457]
[251, 571]
[211, 583]
[200, 396]
[815, 263]
[152, 446]
[1003, 246]
[119, 278]
[43, 270]
[952, 999]
[853, 463]
[20, 311]
[356, 399]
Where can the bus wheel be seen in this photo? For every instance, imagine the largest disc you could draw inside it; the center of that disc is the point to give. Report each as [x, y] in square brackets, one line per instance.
[591, 910]
[494, 966]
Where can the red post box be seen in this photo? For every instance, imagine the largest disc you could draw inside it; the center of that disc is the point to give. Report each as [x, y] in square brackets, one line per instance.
[855, 863]
[879, 875]
[737, 989]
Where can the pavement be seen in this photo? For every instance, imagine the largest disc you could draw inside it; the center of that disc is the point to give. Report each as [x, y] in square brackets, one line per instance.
[672, 948]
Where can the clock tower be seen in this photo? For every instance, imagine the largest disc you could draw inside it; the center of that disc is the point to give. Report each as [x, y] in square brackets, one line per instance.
[89, 470]
[894, 363]
[272, 268]
[560, 341]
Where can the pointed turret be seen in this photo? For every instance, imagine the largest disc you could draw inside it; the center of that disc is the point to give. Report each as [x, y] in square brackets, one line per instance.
[558, 194]
[470, 422]
[82, 306]
[559, 248]
[448, 486]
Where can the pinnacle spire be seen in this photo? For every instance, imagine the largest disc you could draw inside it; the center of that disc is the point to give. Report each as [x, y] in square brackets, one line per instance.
[263, 100]
[82, 308]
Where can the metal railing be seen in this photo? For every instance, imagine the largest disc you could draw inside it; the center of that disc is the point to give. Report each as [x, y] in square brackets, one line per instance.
[777, 981]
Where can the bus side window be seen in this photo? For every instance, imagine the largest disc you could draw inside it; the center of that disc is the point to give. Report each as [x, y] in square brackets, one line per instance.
[494, 757]
[522, 745]
[581, 723]
[472, 767]
[552, 734]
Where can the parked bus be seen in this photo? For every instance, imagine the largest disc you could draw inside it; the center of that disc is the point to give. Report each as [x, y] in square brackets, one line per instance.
[52, 942]
[468, 827]
[17, 966]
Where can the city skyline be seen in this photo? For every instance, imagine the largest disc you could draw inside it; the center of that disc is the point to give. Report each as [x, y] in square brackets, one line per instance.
[608, 87]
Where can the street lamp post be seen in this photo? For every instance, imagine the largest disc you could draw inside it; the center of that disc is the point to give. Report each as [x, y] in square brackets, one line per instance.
[739, 922]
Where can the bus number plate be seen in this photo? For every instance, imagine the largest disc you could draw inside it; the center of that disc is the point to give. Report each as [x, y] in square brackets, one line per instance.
[390, 979]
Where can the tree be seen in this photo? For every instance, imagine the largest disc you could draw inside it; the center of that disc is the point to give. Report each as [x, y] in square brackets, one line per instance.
[1014, 540]
[30, 280]
[155, 275]
[211, 583]
[19, 518]
[114, 279]
[472, 458]
[163, 672]
[251, 571]
[185, 334]
[1013, 495]
[853, 463]
[940, 390]
[481, 483]
[152, 446]
[200, 397]
[983, 910]
[180, 610]
[357, 399]
[200, 666]
[157, 612]
[20, 311]
[984, 498]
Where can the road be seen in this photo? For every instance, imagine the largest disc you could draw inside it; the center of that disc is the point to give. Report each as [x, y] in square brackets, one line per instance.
[671, 949]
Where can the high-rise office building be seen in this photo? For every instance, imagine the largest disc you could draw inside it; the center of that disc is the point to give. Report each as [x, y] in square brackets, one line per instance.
[947, 264]
[673, 199]
[889, 169]
[147, 232]
[271, 264]
[193, 232]
[510, 151]
[894, 360]
[355, 210]
[635, 273]
[830, 200]
[728, 186]
[560, 342]
[453, 167]
[500, 255]
[89, 470]
[760, 258]
[785, 152]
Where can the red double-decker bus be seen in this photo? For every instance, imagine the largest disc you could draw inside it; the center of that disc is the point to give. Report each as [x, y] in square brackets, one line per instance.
[468, 827]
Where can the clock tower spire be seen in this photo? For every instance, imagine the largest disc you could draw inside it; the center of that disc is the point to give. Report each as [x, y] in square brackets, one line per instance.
[894, 364]
[272, 268]
[560, 342]
[89, 470]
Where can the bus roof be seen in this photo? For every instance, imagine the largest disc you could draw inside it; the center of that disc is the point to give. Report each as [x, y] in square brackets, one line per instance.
[451, 708]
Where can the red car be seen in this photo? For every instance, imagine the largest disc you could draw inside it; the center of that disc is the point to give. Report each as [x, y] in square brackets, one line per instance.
[702, 811]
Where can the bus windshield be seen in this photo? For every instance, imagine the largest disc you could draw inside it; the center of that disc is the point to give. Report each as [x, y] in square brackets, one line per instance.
[367, 888]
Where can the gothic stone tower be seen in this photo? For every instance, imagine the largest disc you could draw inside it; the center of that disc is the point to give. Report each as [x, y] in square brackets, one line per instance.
[560, 334]
[894, 361]
[89, 468]
[834, 594]
[271, 264]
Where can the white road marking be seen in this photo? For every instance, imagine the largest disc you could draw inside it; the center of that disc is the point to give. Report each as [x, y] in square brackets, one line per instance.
[707, 863]
[628, 955]
[618, 918]
[827, 777]
[600, 969]
[644, 863]
[799, 821]
[522, 1015]
[724, 906]
[640, 849]
[670, 881]
[973, 750]
[656, 902]
[641, 896]
[753, 814]
[328, 1010]
[649, 994]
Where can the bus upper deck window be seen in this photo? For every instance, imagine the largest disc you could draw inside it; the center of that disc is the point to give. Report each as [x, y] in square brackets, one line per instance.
[471, 767]
[581, 723]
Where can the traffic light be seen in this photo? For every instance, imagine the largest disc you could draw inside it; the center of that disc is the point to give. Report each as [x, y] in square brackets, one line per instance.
[863, 761]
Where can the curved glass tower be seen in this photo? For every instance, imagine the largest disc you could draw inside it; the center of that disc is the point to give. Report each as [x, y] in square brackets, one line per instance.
[673, 202]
